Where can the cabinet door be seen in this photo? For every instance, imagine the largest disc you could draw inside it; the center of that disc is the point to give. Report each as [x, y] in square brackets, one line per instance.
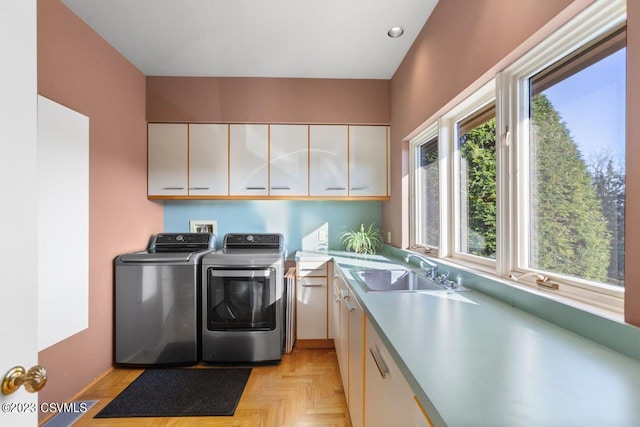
[248, 160]
[328, 175]
[368, 152]
[311, 309]
[289, 156]
[208, 160]
[388, 397]
[167, 159]
[334, 314]
[342, 334]
[356, 362]
[312, 268]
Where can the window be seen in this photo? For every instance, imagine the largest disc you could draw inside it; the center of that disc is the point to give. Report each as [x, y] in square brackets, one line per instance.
[476, 148]
[526, 177]
[576, 155]
[427, 184]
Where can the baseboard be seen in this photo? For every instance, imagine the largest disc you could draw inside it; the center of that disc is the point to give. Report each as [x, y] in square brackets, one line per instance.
[314, 343]
[78, 394]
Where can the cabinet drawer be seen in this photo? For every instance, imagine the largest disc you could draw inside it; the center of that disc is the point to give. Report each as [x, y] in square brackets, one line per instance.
[312, 269]
[311, 282]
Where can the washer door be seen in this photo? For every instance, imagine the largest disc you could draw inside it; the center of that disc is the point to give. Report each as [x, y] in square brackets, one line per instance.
[241, 299]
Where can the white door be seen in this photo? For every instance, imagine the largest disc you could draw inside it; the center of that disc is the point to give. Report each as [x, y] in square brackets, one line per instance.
[208, 159]
[18, 216]
[328, 161]
[368, 149]
[248, 160]
[289, 160]
[168, 148]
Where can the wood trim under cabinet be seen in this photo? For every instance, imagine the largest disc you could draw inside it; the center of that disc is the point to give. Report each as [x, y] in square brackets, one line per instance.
[337, 198]
[317, 343]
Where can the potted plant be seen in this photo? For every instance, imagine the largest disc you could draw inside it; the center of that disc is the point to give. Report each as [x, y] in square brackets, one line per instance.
[362, 241]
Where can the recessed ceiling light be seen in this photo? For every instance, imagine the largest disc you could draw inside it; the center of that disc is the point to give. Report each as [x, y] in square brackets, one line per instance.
[395, 32]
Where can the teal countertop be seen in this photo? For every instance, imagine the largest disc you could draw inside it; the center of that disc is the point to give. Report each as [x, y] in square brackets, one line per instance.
[472, 360]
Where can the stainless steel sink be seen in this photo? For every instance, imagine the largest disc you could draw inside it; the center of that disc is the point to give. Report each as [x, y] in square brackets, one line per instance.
[395, 280]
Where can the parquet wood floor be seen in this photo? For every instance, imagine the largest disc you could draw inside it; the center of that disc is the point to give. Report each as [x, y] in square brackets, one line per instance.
[303, 390]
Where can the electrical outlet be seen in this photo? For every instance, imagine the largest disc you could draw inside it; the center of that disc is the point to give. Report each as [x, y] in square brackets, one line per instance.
[322, 236]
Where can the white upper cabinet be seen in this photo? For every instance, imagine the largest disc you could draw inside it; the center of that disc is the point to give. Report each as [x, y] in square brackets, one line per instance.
[248, 160]
[167, 159]
[289, 160]
[328, 160]
[208, 159]
[202, 160]
[368, 151]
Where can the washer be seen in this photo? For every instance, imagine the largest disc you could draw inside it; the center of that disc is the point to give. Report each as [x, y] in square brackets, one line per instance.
[242, 302]
[157, 301]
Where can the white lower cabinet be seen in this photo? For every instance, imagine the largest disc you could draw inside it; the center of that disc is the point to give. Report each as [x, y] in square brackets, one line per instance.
[377, 393]
[356, 361]
[388, 397]
[341, 331]
[349, 343]
[311, 300]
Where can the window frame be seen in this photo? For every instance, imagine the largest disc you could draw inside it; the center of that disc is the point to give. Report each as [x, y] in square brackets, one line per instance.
[424, 137]
[588, 26]
[509, 89]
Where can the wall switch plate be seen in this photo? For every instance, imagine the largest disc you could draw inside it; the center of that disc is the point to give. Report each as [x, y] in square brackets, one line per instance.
[388, 237]
[322, 236]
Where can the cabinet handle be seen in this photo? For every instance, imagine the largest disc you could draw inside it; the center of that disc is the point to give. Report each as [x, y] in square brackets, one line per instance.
[255, 188]
[281, 188]
[173, 188]
[377, 357]
[312, 285]
[346, 302]
[359, 188]
[199, 188]
[335, 188]
[336, 293]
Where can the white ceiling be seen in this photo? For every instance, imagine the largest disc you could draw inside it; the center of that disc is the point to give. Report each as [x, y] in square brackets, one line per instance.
[258, 38]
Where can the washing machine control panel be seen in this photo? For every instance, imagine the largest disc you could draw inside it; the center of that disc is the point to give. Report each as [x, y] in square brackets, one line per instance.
[259, 240]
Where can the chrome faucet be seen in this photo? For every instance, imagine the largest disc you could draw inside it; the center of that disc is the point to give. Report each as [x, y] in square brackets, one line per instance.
[429, 267]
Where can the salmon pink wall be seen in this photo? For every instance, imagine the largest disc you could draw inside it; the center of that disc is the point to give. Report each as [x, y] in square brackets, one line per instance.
[461, 42]
[80, 70]
[267, 100]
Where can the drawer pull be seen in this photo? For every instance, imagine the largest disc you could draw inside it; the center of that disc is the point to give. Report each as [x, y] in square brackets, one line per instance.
[312, 285]
[335, 189]
[359, 188]
[199, 188]
[346, 302]
[173, 188]
[255, 188]
[377, 357]
[336, 292]
[281, 188]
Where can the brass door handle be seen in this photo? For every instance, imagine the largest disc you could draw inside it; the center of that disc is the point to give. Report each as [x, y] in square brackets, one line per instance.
[33, 379]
